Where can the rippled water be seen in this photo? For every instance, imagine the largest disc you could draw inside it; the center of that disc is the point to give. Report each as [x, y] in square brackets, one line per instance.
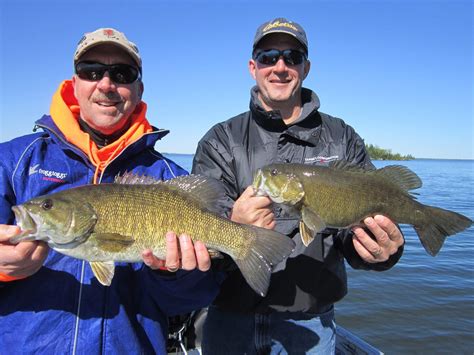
[424, 305]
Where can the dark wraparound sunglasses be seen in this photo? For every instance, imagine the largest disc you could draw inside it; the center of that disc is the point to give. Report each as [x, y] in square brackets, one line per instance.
[271, 56]
[119, 73]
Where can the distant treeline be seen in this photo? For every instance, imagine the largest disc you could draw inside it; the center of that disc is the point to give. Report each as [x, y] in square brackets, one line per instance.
[377, 153]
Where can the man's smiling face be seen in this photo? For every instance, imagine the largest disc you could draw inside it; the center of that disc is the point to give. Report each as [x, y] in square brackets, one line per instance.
[279, 84]
[105, 105]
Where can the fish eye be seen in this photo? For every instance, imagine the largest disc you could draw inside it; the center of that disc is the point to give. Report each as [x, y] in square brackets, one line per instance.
[274, 172]
[47, 204]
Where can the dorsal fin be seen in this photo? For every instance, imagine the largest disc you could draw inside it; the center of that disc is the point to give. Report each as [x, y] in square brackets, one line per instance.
[397, 174]
[129, 178]
[205, 189]
[401, 176]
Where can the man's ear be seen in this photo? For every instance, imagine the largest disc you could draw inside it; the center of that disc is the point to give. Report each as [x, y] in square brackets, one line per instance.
[74, 84]
[307, 67]
[252, 68]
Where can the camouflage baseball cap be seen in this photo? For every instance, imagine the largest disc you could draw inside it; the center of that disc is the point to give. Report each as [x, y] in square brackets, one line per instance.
[281, 25]
[107, 35]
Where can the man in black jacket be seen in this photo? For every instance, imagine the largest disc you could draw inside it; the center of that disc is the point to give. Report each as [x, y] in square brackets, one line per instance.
[284, 125]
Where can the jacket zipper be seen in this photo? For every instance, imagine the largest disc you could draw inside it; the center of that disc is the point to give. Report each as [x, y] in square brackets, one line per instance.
[78, 312]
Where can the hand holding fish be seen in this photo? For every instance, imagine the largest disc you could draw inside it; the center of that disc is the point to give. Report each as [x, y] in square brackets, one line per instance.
[180, 253]
[388, 239]
[255, 210]
[20, 260]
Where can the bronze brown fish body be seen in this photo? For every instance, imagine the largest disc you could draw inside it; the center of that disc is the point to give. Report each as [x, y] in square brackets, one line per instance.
[116, 222]
[342, 196]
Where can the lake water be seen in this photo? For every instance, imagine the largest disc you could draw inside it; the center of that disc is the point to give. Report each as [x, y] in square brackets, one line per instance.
[423, 305]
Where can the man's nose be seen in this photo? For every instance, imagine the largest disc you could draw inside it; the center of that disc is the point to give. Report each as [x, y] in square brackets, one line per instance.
[280, 65]
[106, 84]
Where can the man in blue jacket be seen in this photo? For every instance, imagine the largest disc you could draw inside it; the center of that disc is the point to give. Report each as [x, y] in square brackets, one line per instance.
[51, 303]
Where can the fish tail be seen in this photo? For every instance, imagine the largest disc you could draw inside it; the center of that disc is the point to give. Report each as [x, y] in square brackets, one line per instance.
[437, 225]
[267, 249]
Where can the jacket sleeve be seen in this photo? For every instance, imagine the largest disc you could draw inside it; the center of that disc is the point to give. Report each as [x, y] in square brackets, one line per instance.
[184, 291]
[357, 154]
[212, 158]
[7, 196]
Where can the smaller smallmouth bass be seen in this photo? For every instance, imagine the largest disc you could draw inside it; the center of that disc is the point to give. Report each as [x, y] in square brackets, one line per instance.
[342, 195]
[115, 222]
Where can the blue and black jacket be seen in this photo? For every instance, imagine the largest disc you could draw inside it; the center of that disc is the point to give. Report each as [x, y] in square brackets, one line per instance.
[62, 309]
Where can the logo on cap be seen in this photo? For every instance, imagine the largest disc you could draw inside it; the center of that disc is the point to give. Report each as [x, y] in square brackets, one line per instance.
[108, 32]
[279, 24]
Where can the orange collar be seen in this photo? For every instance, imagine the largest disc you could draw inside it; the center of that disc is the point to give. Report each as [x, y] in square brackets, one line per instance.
[65, 113]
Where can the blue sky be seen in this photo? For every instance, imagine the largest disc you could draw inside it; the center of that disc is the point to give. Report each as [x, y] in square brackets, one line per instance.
[400, 72]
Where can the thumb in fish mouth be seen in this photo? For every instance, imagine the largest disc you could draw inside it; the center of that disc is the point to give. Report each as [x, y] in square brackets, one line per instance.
[12, 234]
[258, 192]
[8, 231]
[22, 238]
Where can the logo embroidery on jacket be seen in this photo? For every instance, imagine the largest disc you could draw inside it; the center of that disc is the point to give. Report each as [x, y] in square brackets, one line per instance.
[321, 159]
[48, 175]
[33, 169]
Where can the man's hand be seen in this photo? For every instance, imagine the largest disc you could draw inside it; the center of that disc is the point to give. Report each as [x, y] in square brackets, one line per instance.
[388, 239]
[22, 259]
[181, 253]
[255, 210]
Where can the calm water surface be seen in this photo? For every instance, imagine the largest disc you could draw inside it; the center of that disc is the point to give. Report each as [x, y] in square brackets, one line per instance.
[424, 305]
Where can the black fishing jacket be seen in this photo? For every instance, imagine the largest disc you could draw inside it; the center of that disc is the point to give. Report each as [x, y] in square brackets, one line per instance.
[313, 277]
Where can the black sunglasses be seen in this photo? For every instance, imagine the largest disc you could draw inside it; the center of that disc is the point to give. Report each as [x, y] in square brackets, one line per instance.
[271, 56]
[119, 73]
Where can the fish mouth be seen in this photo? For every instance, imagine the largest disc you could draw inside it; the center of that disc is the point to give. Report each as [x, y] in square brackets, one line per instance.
[258, 184]
[26, 223]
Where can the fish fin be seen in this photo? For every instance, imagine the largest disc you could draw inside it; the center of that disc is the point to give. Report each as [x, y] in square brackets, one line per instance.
[103, 271]
[312, 220]
[267, 248]
[215, 254]
[197, 185]
[437, 224]
[112, 242]
[397, 174]
[306, 234]
[401, 176]
[129, 178]
[205, 189]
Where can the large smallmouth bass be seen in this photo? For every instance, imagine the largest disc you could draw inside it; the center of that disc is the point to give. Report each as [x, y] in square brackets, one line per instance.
[116, 222]
[342, 195]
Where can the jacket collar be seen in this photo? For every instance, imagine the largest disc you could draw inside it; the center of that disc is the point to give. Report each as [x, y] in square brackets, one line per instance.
[65, 114]
[306, 128]
[148, 140]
